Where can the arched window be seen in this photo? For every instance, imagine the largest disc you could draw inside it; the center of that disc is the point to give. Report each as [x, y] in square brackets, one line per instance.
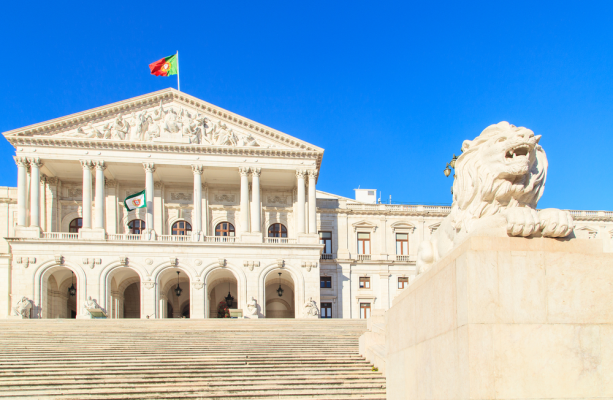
[137, 226]
[181, 228]
[75, 225]
[224, 229]
[277, 230]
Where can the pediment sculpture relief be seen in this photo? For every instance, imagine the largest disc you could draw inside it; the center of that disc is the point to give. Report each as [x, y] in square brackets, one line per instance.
[165, 124]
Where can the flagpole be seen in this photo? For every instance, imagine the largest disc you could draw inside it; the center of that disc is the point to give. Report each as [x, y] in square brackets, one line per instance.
[178, 80]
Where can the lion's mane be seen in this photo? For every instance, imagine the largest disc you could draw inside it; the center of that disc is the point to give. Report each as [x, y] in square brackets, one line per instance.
[477, 192]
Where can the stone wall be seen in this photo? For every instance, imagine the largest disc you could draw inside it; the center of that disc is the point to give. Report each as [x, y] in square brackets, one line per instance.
[506, 318]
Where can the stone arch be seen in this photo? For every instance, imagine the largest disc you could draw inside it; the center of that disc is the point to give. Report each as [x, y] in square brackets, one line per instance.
[66, 219]
[241, 284]
[189, 271]
[41, 276]
[219, 219]
[137, 213]
[277, 217]
[172, 220]
[299, 285]
[106, 289]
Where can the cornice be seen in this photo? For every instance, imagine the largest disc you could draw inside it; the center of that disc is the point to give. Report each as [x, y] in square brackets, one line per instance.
[42, 141]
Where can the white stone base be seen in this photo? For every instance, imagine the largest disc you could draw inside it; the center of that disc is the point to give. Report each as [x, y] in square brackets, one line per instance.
[92, 234]
[30, 232]
[505, 318]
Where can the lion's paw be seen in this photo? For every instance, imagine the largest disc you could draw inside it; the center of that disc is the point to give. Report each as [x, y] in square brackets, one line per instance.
[522, 221]
[556, 223]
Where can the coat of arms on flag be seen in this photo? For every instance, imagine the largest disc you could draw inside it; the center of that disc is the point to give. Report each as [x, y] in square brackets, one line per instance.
[134, 201]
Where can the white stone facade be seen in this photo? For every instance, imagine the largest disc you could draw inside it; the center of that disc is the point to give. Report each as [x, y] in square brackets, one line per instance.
[203, 166]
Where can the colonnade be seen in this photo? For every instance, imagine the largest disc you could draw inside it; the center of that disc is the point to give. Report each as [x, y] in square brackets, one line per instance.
[250, 211]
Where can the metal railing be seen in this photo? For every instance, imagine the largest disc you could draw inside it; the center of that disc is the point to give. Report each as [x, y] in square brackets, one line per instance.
[327, 256]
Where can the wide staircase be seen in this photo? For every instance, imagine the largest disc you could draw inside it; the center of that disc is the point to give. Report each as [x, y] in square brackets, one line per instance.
[185, 359]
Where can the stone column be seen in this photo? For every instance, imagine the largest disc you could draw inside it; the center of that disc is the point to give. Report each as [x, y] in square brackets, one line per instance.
[312, 203]
[22, 182]
[197, 217]
[244, 171]
[35, 165]
[43, 203]
[300, 226]
[100, 198]
[345, 289]
[149, 170]
[256, 216]
[87, 193]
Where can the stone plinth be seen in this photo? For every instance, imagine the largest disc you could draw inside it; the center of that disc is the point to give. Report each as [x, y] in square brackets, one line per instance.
[506, 318]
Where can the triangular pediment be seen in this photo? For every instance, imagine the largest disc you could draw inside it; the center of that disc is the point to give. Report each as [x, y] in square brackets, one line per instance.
[166, 117]
[365, 225]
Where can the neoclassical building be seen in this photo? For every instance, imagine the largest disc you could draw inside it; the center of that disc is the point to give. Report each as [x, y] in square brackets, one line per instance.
[231, 214]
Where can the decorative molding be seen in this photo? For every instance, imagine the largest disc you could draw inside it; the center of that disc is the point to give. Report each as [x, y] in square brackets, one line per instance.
[92, 262]
[256, 171]
[198, 284]
[158, 185]
[148, 261]
[123, 261]
[35, 162]
[243, 171]
[149, 167]
[59, 259]
[25, 261]
[100, 165]
[280, 263]
[365, 226]
[179, 196]
[308, 265]
[53, 180]
[300, 173]
[198, 262]
[86, 164]
[225, 198]
[197, 169]
[22, 161]
[251, 264]
[221, 262]
[173, 261]
[110, 183]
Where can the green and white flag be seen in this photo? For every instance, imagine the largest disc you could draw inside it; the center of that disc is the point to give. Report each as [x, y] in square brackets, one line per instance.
[134, 201]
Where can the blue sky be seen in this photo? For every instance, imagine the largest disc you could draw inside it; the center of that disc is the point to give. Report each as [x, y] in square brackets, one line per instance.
[389, 89]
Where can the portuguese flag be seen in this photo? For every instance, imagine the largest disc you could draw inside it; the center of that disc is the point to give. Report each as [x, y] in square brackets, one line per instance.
[166, 66]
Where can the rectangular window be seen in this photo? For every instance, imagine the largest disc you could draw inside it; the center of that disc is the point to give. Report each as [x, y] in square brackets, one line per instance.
[326, 310]
[325, 238]
[402, 244]
[325, 282]
[403, 282]
[363, 243]
[364, 310]
[364, 282]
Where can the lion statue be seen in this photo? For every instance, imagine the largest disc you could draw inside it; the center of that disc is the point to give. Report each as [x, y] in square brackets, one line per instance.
[500, 177]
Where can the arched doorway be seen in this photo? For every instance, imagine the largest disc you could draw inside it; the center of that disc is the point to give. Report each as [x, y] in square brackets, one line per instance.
[175, 303]
[125, 293]
[60, 288]
[222, 286]
[280, 294]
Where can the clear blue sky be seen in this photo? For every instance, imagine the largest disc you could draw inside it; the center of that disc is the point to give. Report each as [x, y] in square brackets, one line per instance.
[389, 89]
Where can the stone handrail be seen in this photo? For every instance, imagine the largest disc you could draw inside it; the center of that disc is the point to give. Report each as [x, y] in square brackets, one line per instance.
[221, 239]
[60, 235]
[174, 238]
[274, 240]
[124, 236]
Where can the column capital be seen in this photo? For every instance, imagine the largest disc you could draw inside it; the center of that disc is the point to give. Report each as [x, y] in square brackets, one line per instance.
[43, 178]
[100, 165]
[256, 171]
[197, 169]
[244, 171]
[53, 180]
[149, 167]
[87, 164]
[312, 174]
[110, 183]
[35, 162]
[300, 173]
[21, 161]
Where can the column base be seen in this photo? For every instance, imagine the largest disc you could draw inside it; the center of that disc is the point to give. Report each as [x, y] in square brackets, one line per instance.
[251, 237]
[149, 235]
[92, 234]
[308, 238]
[28, 232]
